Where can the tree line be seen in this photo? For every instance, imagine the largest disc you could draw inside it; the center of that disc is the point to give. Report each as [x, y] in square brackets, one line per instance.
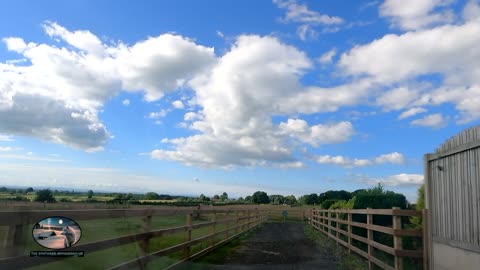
[376, 197]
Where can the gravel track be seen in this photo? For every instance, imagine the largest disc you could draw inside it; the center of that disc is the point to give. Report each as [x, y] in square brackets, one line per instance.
[276, 246]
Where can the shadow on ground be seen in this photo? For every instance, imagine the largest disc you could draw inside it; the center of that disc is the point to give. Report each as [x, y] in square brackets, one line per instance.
[273, 246]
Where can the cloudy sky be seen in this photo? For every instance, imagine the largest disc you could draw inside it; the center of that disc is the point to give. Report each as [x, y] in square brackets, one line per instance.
[190, 97]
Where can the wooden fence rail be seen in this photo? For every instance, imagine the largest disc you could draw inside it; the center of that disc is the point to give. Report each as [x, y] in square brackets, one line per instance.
[242, 222]
[329, 222]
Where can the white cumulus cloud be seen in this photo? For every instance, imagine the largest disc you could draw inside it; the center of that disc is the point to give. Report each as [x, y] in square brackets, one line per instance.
[402, 179]
[49, 99]
[307, 18]
[411, 112]
[317, 134]
[433, 120]
[256, 79]
[417, 14]
[327, 57]
[178, 104]
[450, 51]
[392, 158]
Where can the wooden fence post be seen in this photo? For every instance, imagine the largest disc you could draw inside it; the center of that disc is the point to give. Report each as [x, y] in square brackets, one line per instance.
[236, 222]
[146, 227]
[309, 216]
[337, 234]
[325, 221]
[319, 220]
[397, 240]
[370, 237]
[244, 222]
[213, 229]
[349, 231]
[188, 236]
[313, 215]
[15, 242]
[426, 243]
[227, 227]
[248, 219]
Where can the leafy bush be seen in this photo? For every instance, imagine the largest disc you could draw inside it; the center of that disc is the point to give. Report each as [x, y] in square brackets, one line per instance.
[328, 203]
[334, 195]
[44, 195]
[416, 222]
[342, 204]
[380, 201]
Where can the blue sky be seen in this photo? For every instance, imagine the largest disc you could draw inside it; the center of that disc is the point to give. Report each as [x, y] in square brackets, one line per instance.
[190, 97]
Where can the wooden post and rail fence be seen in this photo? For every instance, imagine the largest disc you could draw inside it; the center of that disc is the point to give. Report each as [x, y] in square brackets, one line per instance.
[330, 223]
[223, 226]
[237, 221]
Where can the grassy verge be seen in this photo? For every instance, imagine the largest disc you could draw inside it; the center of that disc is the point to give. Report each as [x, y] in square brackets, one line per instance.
[108, 228]
[344, 260]
[216, 257]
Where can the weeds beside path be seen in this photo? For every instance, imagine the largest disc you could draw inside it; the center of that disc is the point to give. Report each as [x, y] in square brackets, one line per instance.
[343, 259]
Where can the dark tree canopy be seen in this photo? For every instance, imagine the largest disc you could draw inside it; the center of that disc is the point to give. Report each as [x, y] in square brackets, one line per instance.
[151, 196]
[44, 195]
[277, 199]
[334, 195]
[290, 199]
[260, 197]
[90, 194]
[311, 199]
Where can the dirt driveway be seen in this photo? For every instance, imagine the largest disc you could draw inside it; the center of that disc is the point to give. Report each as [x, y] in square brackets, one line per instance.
[276, 246]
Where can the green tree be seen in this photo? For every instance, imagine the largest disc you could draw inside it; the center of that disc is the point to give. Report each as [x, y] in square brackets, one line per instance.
[164, 197]
[202, 198]
[417, 221]
[290, 200]
[248, 199]
[224, 197]
[28, 190]
[377, 198]
[311, 199]
[90, 194]
[44, 195]
[216, 197]
[335, 195]
[151, 196]
[276, 199]
[260, 197]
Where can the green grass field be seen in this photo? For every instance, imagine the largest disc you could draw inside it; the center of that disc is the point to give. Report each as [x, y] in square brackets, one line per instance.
[96, 230]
